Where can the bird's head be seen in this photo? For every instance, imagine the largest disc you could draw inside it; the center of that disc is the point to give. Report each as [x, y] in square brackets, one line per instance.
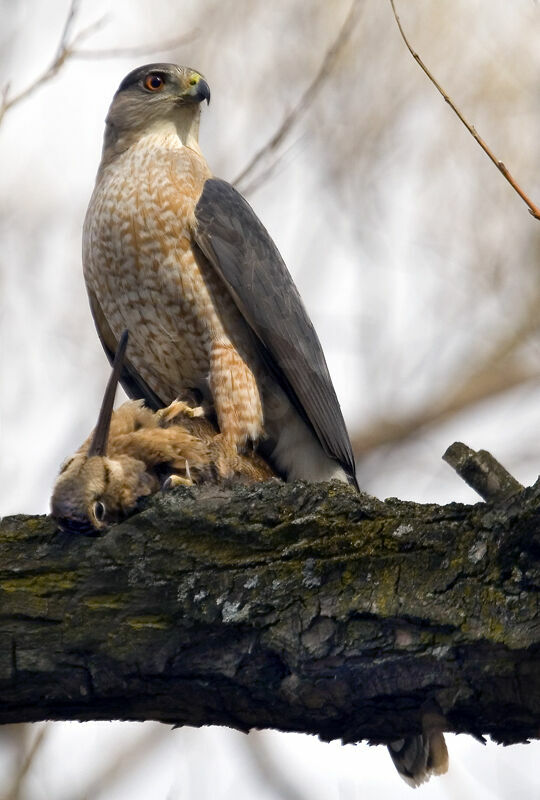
[156, 97]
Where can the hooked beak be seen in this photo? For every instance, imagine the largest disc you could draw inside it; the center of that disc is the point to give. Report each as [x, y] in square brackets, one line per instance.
[198, 90]
[203, 91]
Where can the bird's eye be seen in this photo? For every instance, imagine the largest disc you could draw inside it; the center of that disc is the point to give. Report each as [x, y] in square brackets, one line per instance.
[99, 511]
[154, 83]
[194, 81]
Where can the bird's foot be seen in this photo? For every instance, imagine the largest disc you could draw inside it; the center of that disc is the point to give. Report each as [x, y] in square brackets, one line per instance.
[175, 480]
[178, 480]
[179, 408]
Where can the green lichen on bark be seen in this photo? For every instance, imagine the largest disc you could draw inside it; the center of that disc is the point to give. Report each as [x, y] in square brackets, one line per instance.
[299, 607]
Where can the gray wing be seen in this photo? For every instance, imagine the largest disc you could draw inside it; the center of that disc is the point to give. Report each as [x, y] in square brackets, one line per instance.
[240, 249]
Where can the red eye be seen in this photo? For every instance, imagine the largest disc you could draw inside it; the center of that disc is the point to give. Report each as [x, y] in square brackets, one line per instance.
[154, 83]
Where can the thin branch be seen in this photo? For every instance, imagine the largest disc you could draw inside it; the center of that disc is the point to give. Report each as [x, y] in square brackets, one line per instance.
[323, 74]
[14, 792]
[258, 180]
[481, 386]
[498, 372]
[68, 24]
[137, 50]
[64, 51]
[533, 209]
[270, 768]
[117, 768]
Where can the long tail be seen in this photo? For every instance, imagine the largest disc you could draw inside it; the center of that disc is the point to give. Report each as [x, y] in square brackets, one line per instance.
[417, 758]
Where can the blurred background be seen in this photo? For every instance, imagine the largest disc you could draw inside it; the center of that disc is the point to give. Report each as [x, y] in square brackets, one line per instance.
[416, 260]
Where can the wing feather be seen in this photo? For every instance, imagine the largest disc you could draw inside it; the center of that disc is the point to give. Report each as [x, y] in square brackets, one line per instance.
[240, 249]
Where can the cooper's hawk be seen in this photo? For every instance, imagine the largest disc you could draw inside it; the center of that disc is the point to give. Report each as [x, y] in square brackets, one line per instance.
[181, 260]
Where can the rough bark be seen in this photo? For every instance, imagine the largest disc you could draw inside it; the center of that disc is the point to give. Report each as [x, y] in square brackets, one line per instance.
[297, 607]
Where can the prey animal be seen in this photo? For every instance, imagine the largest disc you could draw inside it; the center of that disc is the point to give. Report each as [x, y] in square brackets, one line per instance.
[134, 452]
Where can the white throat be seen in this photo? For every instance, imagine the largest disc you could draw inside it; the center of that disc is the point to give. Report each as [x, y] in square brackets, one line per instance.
[182, 130]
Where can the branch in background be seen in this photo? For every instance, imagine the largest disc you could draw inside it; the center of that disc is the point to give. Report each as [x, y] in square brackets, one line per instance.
[481, 386]
[64, 51]
[137, 50]
[271, 169]
[289, 606]
[14, 792]
[533, 209]
[323, 74]
[270, 768]
[121, 764]
[499, 372]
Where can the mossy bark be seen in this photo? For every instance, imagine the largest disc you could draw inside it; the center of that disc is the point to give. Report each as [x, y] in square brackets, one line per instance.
[290, 606]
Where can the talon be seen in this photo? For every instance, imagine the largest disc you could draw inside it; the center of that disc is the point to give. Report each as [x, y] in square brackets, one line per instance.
[189, 411]
[188, 472]
[176, 480]
[179, 408]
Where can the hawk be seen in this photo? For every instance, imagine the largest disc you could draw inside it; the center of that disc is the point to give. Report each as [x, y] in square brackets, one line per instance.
[181, 260]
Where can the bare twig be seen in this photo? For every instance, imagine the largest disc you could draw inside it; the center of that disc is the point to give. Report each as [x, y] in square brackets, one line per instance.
[481, 386]
[482, 472]
[64, 50]
[14, 792]
[498, 372]
[270, 769]
[258, 180]
[68, 24]
[137, 50]
[327, 65]
[533, 209]
[117, 768]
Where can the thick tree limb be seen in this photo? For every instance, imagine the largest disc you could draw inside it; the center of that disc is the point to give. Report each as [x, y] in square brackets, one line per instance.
[303, 608]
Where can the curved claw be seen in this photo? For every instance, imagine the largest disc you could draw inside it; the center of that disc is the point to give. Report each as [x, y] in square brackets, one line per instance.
[177, 480]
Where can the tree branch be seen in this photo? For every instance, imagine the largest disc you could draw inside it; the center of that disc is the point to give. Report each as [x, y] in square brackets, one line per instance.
[300, 607]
